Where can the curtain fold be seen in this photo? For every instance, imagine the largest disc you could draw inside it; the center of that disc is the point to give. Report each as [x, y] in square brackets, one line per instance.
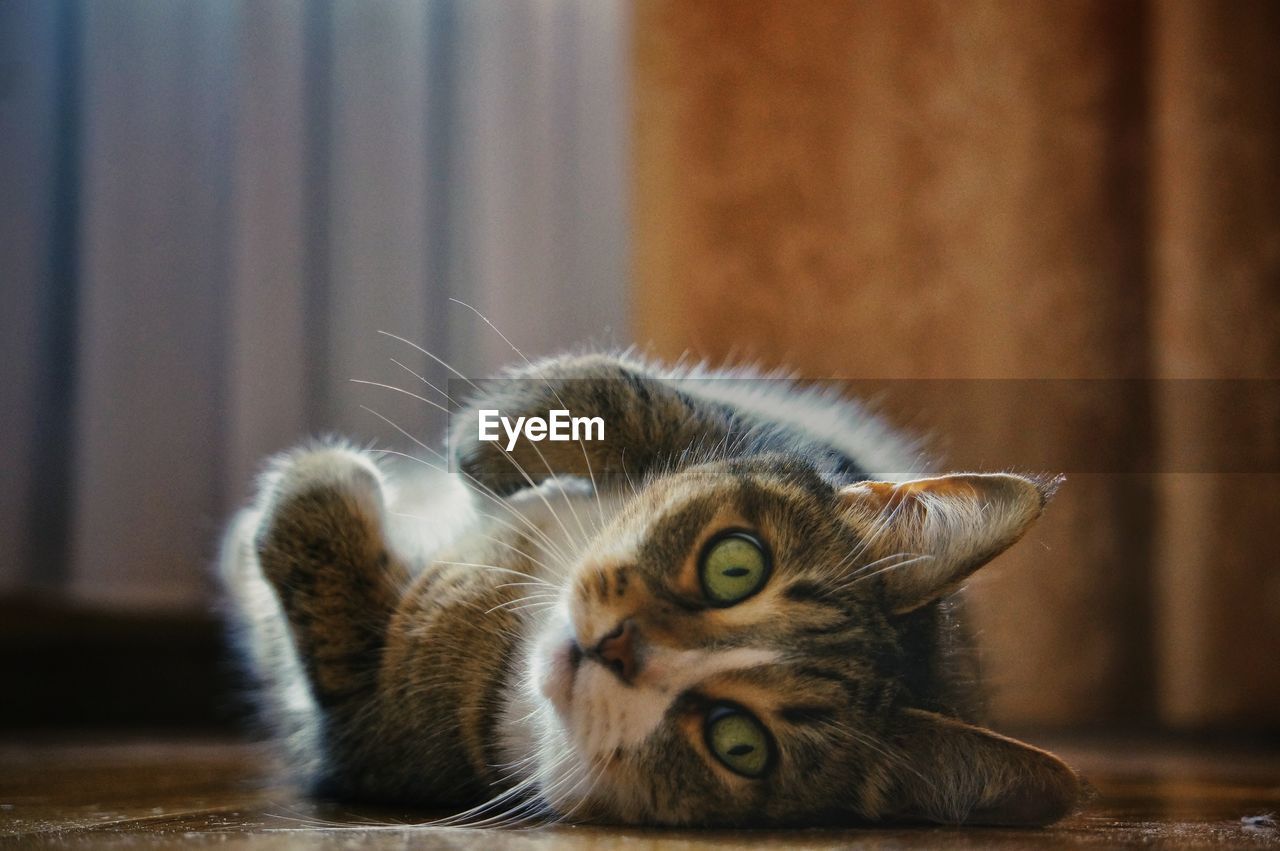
[151, 316]
[253, 192]
[1216, 249]
[33, 237]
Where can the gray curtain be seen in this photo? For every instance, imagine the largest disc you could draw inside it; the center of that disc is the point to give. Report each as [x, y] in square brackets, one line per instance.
[211, 210]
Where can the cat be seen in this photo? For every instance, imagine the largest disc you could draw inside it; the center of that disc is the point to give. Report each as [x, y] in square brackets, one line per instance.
[733, 611]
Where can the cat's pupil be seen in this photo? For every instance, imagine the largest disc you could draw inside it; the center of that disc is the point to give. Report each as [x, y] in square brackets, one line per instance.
[736, 571]
[740, 750]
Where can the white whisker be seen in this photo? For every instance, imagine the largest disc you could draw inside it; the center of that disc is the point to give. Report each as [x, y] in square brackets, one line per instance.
[400, 390]
[433, 357]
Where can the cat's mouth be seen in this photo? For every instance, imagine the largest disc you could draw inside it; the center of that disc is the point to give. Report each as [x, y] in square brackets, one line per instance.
[559, 672]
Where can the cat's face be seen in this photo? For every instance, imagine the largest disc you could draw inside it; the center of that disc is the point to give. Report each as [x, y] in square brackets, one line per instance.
[729, 651]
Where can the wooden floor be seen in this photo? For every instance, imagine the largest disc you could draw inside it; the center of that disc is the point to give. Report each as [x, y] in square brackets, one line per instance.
[148, 793]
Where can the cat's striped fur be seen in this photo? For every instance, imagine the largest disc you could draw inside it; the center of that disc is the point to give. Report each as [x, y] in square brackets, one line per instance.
[462, 669]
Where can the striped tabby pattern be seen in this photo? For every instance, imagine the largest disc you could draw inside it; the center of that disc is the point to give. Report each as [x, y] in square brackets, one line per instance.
[555, 649]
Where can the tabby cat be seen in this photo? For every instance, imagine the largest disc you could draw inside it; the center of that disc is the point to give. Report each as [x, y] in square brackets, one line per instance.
[732, 611]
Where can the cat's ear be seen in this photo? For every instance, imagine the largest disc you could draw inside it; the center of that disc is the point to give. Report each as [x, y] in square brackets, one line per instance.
[943, 528]
[956, 773]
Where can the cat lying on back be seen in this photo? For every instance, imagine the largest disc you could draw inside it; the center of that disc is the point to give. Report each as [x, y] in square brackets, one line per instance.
[717, 616]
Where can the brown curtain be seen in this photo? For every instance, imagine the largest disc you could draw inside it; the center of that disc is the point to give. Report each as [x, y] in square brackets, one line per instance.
[1041, 207]
[1215, 243]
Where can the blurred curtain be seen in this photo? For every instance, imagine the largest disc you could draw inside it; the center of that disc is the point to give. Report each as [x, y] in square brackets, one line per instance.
[1022, 201]
[1215, 255]
[211, 209]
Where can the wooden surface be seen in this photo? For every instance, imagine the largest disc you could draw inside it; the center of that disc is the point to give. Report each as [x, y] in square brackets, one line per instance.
[151, 793]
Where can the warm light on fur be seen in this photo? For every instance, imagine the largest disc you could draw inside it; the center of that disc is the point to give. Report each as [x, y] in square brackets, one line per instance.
[553, 652]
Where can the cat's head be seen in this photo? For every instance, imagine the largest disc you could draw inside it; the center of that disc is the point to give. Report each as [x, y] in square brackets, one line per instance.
[743, 646]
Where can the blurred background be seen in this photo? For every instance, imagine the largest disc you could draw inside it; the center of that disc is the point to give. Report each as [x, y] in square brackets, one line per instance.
[1042, 235]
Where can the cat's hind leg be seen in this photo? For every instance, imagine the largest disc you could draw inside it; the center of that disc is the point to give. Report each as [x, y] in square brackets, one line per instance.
[321, 545]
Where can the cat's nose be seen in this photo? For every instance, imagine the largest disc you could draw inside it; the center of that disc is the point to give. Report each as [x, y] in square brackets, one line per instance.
[617, 650]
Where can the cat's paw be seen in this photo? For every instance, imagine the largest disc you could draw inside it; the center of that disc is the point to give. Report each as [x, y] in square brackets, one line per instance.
[318, 498]
[322, 550]
[486, 464]
[595, 386]
[323, 468]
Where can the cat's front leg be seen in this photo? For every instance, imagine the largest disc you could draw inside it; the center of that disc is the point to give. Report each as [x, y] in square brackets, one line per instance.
[322, 547]
[646, 422]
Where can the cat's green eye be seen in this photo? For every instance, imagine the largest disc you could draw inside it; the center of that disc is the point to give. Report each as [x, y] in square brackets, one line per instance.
[738, 740]
[734, 565]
